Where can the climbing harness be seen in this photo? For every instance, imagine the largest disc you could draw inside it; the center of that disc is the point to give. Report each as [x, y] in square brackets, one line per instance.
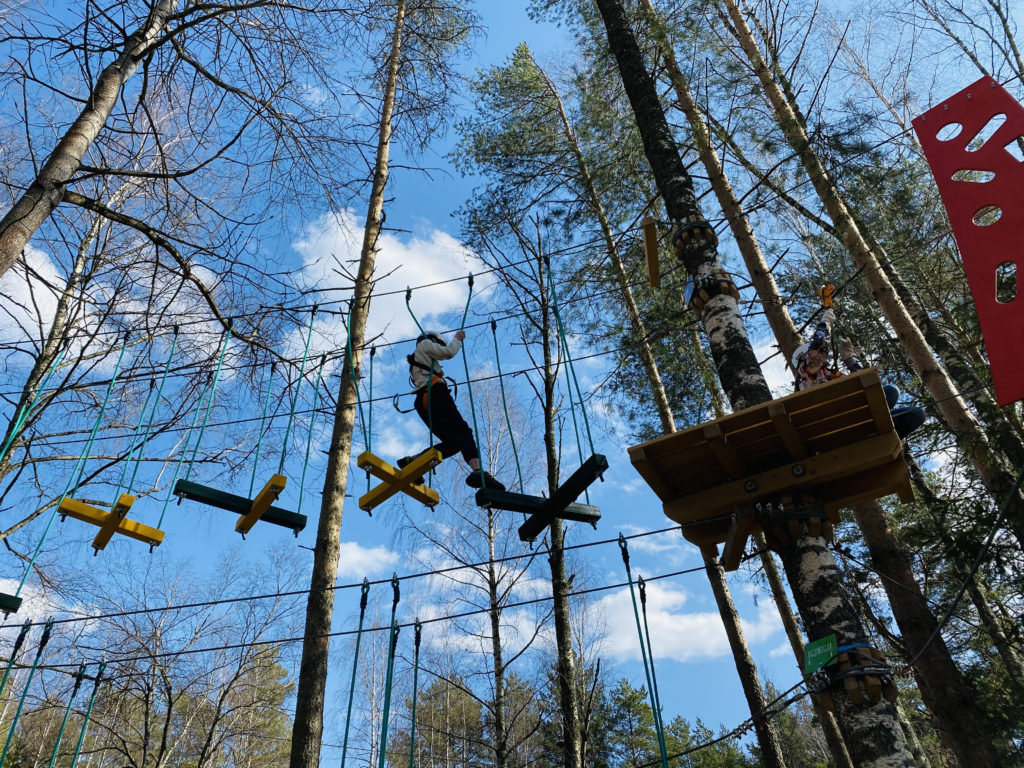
[389, 678]
[47, 629]
[79, 676]
[88, 713]
[415, 690]
[18, 642]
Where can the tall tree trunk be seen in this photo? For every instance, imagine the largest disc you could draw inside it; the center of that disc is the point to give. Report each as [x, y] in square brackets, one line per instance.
[500, 737]
[566, 663]
[636, 322]
[970, 436]
[44, 193]
[785, 331]
[827, 721]
[307, 731]
[872, 733]
[943, 688]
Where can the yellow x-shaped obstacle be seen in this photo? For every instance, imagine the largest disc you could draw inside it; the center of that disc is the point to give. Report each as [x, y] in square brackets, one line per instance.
[398, 480]
[111, 522]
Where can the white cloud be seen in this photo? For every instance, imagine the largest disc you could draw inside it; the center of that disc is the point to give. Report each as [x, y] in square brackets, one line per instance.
[29, 301]
[356, 561]
[675, 634]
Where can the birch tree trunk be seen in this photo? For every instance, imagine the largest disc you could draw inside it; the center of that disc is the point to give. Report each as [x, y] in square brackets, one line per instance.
[47, 188]
[970, 435]
[307, 732]
[500, 737]
[872, 732]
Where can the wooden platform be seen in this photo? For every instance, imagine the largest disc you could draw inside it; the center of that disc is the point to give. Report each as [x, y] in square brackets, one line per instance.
[240, 505]
[834, 442]
[110, 521]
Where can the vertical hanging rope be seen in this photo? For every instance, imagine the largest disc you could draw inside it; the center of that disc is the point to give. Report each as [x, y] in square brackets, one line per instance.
[430, 376]
[25, 410]
[295, 396]
[309, 433]
[369, 404]
[47, 629]
[152, 413]
[263, 427]
[469, 385]
[504, 404]
[355, 666]
[213, 395]
[76, 473]
[14, 653]
[134, 442]
[184, 451]
[642, 586]
[659, 730]
[415, 691]
[79, 676]
[80, 466]
[88, 714]
[392, 645]
[565, 348]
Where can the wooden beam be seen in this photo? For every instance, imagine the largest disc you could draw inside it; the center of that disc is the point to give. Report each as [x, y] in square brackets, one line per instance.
[113, 518]
[650, 229]
[736, 539]
[261, 503]
[94, 516]
[722, 450]
[395, 481]
[823, 468]
[214, 497]
[787, 432]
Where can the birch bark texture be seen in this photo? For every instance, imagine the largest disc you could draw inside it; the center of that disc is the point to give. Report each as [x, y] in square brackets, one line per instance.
[871, 729]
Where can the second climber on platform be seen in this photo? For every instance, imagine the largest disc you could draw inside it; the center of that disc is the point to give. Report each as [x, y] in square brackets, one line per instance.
[811, 367]
[436, 406]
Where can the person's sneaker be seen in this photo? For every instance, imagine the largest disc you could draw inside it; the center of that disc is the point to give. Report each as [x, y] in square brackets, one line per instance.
[406, 461]
[480, 479]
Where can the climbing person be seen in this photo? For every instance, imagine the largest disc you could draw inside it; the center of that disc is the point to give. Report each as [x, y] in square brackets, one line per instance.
[811, 367]
[436, 406]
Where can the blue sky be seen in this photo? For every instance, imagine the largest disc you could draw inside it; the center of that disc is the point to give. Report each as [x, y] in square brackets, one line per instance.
[696, 673]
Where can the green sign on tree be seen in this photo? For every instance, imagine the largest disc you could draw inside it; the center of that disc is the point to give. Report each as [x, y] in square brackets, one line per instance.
[819, 653]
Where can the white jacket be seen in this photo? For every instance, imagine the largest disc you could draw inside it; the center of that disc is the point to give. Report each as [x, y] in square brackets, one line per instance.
[428, 352]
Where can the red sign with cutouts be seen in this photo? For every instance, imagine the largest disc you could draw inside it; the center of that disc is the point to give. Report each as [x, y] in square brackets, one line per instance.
[974, 142]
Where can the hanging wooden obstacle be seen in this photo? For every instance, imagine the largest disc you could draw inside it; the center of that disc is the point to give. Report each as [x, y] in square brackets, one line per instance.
[110, 521]
[9, 604]
[251, 510]
[834, 443]
[395, 480]
[560, 506]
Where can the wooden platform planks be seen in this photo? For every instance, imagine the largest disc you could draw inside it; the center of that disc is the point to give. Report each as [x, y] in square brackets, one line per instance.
[835, 442]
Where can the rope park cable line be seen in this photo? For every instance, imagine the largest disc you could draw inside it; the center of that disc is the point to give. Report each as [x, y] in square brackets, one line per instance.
[368, 432]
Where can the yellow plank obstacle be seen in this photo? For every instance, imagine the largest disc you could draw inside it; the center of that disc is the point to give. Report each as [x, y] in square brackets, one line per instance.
[834, 443]
[251, 510]
[395, 480]
[110, 521]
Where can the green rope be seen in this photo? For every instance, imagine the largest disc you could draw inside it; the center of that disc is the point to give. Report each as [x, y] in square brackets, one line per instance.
[309, 434]
[430, 376]
[369, 404]
[565, 347]
[263, 428]
[80, 466]
[469, 384]
[184, 451]
[650, 649]
[504, 403]
[352, 372]
[47, 629]
[355, 666]
[295, 397]
[415, 691]
[14, 652]
[88, 714]
[25, 410]
[624, 547]
[67, 713]
[156, 405]
[77, 472]
[134, 441]
[209, 402]
[392, 645]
